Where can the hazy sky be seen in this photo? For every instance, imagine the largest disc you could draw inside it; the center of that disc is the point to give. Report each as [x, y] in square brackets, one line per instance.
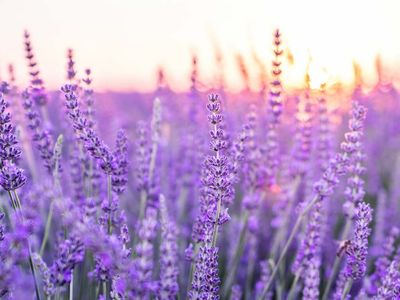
[124, 41]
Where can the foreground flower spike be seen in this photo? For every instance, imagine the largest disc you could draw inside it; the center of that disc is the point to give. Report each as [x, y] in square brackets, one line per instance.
[9, 149]
[11, 177]
[217, 177]
[93, 144]
[70, 253]
[205, 284]
[38, 91]
[217, 194]
[357, 250]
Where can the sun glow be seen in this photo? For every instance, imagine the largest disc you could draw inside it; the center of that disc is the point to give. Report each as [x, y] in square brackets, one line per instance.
[111, 39]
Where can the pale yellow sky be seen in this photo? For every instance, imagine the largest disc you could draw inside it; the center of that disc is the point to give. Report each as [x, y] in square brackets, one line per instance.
[124, 41]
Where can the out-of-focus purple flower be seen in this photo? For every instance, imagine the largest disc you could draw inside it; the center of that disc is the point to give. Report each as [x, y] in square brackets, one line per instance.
[304, 136]
[236, 293]
[340, 284]
[48, 285]
[265, 274]
[38, 92]
[382, 263]
[390, 288]
[276, 86]
[238, 153]
[168, 288]
[143, 263]
[312, 279]
[252, 168]
[89, 111]
[142, 157]
[275, 110]
[70, 253]
[71, 72]
[339, 164]
[41, 136]
[310, 246]
[356, 264]
[120, 173]
[13, 252]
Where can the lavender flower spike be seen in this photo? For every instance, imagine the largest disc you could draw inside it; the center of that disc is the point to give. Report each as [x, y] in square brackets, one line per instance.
[358, 248]
[168, 287]
[390, 288]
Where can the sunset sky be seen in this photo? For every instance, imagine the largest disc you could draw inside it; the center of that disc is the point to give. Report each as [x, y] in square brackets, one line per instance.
[124, 41]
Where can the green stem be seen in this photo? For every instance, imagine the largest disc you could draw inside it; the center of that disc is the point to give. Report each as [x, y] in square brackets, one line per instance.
[105, 290]
[347, 288]
[287, 245]
[215, 231]
[282, 231]
[143, 200]
[71, 287]
[336, 264]
[17, 203]
[47, 229]
[33, 274]
[192, 267]
[292, 290]
[236, 258]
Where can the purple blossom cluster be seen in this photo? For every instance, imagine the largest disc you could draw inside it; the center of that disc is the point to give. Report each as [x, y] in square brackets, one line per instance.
[257, 195]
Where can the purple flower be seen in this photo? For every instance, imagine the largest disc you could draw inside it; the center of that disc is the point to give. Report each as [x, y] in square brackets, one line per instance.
[143, 264]
[142, 157]
[390, 288]
[168, 288]
[48, 285]
[382, 263]
[339, 164]
[310, 247]
[70, 253]
[89, 111]
[11, 177]
[71, 72]
[41, 136]
[265, 274]
[120, 173]
[205, 284]
[93, 144]
[356, 264]
[275, 110]
[312, 279]
[236, 293]
[38, 93]
[9, 150]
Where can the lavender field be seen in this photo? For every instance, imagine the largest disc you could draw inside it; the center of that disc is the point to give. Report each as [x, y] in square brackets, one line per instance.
[269, 193]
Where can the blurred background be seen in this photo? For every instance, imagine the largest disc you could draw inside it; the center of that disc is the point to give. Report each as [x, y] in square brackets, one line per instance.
[126, 42]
